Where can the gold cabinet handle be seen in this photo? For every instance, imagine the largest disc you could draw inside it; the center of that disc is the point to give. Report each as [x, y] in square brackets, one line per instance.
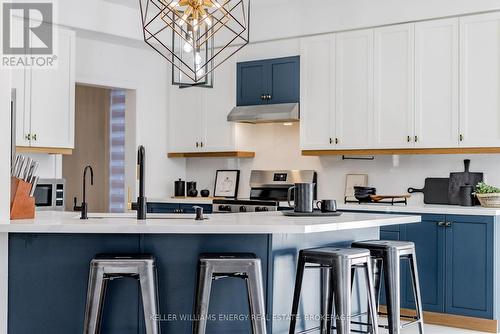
[34, 136]
[331, 140]
[201, 144]
[337, 140]
[197, 145]
[416, 139]
[461, 137]
[28, 136]
[408, 139]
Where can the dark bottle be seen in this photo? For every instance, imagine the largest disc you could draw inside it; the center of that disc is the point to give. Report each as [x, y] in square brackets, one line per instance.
[191, 189]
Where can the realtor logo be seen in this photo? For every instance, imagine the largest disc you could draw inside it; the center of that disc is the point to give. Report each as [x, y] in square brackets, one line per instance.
[28, 34]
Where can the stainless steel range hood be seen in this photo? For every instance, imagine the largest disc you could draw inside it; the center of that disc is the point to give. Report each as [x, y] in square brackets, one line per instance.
[270, 113]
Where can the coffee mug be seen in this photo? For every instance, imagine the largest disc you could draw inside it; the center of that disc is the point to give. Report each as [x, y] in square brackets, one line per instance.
[303, 197]
[327, 205]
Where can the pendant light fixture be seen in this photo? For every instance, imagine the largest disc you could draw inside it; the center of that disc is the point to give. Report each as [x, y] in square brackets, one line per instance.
[195, 36]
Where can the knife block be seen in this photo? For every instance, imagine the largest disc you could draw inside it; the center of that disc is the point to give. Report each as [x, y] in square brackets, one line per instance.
[22, 206]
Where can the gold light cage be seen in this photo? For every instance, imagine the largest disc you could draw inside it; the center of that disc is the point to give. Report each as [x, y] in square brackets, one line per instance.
[195, 36]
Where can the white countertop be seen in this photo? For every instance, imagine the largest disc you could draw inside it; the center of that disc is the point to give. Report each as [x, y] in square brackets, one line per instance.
[426, 208]
[246, 223]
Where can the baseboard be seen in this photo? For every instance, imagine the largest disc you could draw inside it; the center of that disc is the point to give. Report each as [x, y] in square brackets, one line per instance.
[452, 320]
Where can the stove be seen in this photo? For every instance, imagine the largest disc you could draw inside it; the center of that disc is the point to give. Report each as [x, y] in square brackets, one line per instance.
[267, 189]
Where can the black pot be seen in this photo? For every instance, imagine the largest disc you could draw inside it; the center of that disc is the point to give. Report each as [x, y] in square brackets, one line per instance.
[205, 193]
[191, 189]
[466, 197]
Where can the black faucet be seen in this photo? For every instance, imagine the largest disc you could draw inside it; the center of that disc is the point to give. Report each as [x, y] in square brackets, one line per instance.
[141, 200]
[84, 207]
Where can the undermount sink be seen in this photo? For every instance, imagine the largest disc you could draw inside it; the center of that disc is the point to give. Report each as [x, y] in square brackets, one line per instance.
[133, 215]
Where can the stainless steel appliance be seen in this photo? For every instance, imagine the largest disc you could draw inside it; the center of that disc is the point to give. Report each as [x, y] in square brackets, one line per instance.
[49, 194]
[268, 188]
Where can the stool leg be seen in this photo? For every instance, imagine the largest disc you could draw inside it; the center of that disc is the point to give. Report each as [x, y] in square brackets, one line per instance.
[372, 304]
[296, 294]
[95, 298]
[325, 292]
[149, 292]
[377, 274]
[416, 291]
[392, 291]
[255, 289]
[204, 286]
[342, 294]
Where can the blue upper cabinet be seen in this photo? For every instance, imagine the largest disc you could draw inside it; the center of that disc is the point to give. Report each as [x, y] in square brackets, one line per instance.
[268, 81]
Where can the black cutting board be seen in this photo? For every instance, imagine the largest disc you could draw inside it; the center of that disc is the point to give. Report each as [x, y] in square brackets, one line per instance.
[461, 179]
[435, 190]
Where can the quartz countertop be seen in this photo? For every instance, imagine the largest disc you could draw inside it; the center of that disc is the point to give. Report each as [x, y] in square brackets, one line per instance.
[424, 208]
[230, 223]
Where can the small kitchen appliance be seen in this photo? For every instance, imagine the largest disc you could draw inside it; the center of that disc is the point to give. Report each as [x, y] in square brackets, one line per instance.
[49, 194]
[268, 188]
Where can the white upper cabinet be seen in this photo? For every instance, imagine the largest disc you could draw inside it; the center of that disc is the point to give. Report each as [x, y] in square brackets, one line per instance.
[394, 86]
[45, 98]
[52, 102]
[354, 90]
[218, 133]
[185, 119]
[317, 92]
[436, 84]
[480, 80]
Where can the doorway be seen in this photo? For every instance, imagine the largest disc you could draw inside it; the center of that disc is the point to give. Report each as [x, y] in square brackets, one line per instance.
[105, 140]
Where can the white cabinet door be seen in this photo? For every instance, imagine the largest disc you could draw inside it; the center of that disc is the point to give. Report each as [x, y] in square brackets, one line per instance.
[317, 92]
[394, 86]
[436, 93]
[218, 133]
[53, 97]
[185, 119]
[354, 89]
[480, 80]
[22, 115]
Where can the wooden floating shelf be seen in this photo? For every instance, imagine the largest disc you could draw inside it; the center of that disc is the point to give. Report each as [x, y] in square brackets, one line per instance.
[405, 151]
[227, 154]
[49, 150]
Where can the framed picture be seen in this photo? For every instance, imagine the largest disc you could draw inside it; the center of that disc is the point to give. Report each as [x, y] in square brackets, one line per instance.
[226, 183]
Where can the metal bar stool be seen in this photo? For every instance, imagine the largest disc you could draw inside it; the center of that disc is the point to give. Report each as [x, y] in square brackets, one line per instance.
[387, 255]
[106, 267]
[336, 265]
[241, 265]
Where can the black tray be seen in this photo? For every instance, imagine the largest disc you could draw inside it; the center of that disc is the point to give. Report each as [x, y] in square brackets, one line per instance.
[315, 213]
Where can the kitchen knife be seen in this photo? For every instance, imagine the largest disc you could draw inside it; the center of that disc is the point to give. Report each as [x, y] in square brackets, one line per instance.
[33, 186]
[15, 163]
[20, 167]
[26, 170]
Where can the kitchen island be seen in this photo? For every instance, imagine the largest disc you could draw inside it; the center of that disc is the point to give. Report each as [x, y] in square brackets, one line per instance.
[48, 261]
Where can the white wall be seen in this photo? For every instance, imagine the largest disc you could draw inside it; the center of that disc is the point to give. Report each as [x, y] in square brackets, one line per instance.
[277, 147]
[5, 146]
[121, 66]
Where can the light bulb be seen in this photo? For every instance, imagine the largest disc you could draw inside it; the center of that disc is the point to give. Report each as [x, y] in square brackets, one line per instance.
[188, 48]
[207, 20]
[173, 3]
[197, 59]
[216, 4]
[200, 72]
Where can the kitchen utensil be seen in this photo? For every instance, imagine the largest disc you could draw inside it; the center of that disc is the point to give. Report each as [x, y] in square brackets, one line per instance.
[180, 188]
[351, 181]
[191, 189]
[435, 190]
[205, 193]
[363, 194]
[327, 205]
[303, 197]
[378, 198]
[461, 179]
[465, 195]
[33, 185]
[314, 213]
[26, 170]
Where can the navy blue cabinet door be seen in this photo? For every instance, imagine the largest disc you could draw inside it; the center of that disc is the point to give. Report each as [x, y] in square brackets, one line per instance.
[469, 266]
[285, 80]
[252, 83]
[277, 78]
[189, 208]
[429, 239]
[163, 207]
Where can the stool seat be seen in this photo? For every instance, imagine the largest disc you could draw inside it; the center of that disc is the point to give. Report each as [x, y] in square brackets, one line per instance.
[106, 267]
[227, 256]
[384, 244]
[331, 252]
